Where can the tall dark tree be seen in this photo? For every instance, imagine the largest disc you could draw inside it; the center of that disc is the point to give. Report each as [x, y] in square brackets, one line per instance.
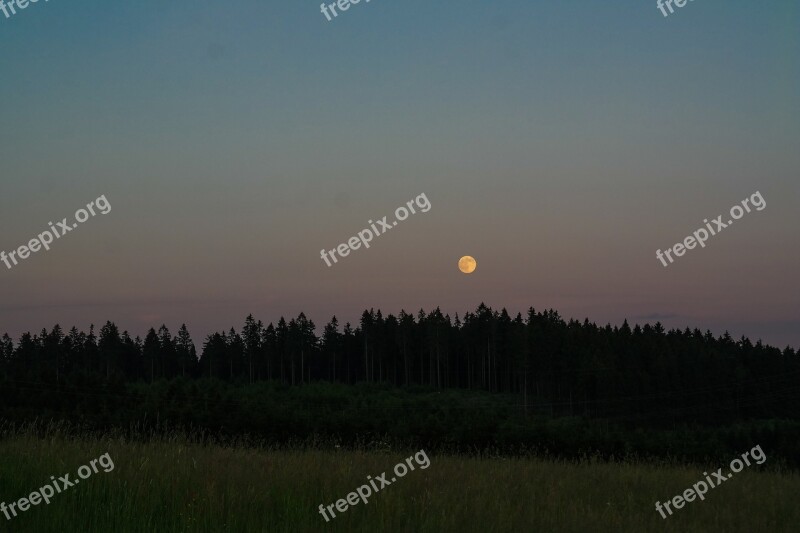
[185, 351]
[167, 354]
[331, 345]
[152, 353]
[251, 337]
[269, 346]
[110, 347]
[212, 361]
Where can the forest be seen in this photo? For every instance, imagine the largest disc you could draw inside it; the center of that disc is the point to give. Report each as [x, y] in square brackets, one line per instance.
[487, 376]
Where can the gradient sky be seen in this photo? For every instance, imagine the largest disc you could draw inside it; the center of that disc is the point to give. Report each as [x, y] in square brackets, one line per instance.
[560, 144]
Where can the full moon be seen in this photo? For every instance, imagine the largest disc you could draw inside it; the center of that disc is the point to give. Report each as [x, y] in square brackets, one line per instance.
[467, 264]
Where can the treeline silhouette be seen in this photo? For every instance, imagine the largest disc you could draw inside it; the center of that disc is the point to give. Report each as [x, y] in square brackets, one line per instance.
[545, 364]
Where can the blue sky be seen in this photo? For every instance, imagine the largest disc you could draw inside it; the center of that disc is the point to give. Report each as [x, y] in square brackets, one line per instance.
[560, 144]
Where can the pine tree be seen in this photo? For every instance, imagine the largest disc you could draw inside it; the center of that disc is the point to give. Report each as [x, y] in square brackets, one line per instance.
[331, 344]
[151, 352]
[185, 350]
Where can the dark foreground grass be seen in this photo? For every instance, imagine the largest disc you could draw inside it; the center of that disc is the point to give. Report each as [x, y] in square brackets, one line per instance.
[172, 484]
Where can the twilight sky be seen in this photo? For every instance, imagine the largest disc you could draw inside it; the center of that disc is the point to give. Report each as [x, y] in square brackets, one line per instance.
[559, 143]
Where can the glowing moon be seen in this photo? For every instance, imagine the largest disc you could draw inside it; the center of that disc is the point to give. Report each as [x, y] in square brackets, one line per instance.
[467, 264]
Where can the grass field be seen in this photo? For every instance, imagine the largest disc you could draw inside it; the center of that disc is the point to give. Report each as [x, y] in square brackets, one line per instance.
[172, 484]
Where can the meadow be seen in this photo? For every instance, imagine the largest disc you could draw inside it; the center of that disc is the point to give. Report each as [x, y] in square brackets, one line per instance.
[176, 483]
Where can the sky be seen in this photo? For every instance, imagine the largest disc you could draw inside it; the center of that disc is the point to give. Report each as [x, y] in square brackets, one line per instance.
[559, 143]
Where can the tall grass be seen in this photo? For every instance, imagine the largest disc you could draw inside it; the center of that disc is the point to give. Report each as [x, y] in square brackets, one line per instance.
[176, 482]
